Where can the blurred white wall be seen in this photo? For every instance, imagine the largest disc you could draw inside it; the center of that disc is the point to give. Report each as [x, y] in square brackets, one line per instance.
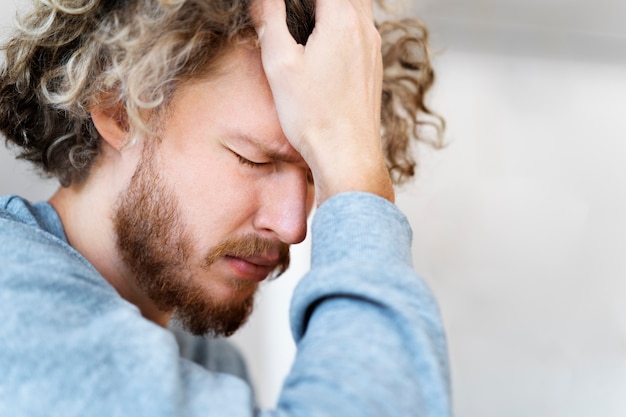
[519, 225]
[520, 229]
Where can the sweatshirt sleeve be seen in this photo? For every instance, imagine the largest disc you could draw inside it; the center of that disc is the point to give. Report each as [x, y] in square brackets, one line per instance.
[368, 331]
[369, 337]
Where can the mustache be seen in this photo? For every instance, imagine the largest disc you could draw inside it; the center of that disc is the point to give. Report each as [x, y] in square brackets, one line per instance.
[249, 246]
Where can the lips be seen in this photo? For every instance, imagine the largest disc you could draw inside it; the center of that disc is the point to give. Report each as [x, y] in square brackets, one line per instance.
[255, 268]
[249, 257]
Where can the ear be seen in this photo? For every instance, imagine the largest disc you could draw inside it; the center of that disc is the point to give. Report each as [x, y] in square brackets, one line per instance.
[112, 124]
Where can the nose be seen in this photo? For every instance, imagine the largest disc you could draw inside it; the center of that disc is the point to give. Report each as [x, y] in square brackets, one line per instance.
[284, 207]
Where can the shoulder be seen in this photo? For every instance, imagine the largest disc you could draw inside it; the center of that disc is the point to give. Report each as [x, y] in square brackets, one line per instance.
[44, 282]
[32, 242]
[16, 209]
[70, 345]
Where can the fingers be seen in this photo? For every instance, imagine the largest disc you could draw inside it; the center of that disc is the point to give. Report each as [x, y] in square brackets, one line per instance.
[269, 18]
[327, 93]
[365, 8]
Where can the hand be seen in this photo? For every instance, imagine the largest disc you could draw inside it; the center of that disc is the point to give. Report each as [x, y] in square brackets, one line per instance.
[328, 93]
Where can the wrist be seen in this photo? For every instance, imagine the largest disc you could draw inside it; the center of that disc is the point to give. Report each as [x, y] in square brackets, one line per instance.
[354, 175]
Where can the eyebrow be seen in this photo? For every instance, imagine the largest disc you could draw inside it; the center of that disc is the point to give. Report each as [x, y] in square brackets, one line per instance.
[274, 154]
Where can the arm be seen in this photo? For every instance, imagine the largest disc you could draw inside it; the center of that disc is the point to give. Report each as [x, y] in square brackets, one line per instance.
[368, 332]
[369, 336]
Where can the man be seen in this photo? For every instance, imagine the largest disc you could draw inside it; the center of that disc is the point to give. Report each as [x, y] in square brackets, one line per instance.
[190, 137]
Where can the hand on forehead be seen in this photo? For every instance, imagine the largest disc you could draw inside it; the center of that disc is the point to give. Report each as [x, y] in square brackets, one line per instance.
[327, 92]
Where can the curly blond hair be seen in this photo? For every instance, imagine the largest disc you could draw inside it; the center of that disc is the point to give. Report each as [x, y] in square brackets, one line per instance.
[69, 55]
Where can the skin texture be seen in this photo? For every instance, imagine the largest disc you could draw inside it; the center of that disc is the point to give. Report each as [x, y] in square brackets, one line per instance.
[231, 164]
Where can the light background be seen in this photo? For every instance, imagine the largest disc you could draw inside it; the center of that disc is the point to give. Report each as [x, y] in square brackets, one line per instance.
[519, 225]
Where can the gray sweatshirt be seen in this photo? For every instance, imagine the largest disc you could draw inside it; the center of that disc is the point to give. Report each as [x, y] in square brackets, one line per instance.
[368, 333]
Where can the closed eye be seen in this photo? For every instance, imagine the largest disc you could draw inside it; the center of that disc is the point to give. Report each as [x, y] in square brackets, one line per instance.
[247, 162]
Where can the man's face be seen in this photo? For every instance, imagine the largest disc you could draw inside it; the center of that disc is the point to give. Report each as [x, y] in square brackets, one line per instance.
[212, 208]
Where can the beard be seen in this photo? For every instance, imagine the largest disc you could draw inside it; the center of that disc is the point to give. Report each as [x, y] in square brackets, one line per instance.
[154, 243]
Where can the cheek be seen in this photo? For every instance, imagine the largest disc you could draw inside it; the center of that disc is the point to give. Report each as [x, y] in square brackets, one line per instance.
[215, 200]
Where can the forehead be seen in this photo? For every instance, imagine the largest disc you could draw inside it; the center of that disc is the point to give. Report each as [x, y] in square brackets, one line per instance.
[241, 63]
[235, 101]
[238, 73]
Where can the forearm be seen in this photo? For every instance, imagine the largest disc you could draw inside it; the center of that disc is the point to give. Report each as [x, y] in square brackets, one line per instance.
[369, 335]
